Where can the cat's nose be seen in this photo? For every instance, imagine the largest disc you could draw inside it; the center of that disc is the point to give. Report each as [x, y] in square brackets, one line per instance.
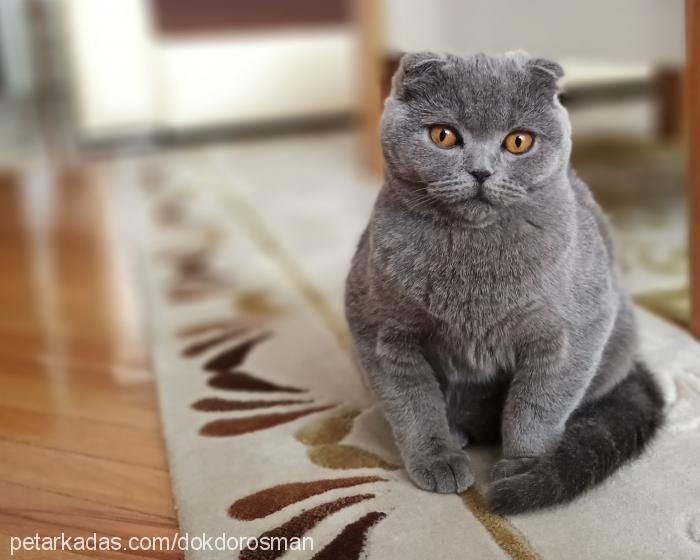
[480, 175]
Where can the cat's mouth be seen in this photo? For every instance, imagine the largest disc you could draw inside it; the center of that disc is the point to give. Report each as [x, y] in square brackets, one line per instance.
[494, 196]
[464, 195]
[481, 197]
[497, 196]
[475, 205]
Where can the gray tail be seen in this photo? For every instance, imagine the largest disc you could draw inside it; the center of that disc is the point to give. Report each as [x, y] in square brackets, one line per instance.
[598, 439]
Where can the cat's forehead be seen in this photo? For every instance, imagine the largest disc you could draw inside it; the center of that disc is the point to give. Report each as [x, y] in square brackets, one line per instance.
[485, 92]
[490, 91]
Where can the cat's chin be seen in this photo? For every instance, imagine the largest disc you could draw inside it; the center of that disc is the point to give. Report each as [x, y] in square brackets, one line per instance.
[475, 213]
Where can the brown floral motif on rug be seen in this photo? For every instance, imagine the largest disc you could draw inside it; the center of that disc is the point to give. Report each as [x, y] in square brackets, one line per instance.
[350, 539]
[322, 437]
[237, 340]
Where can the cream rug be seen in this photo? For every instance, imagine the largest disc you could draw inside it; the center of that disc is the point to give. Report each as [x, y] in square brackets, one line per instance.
[270, 431]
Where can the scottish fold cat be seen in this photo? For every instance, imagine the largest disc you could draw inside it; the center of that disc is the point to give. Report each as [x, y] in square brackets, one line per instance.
[483, 298]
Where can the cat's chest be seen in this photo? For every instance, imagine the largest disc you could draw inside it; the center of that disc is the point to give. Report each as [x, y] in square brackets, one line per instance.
[462, 279]
[477, 352]
[475, 291]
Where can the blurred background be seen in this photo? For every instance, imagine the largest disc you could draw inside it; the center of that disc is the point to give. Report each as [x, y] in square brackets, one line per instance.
[82, 80]
[283, 99]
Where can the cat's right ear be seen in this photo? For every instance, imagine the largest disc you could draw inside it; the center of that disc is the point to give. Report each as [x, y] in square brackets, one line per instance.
[416, 72]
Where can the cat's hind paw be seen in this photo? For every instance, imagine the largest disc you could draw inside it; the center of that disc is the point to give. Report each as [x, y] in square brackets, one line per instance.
[508, 496]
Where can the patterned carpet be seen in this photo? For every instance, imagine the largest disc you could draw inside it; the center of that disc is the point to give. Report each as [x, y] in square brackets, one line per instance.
[270, 430]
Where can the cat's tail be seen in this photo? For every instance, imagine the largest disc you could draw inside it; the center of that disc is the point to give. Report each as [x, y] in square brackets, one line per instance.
[598, 439]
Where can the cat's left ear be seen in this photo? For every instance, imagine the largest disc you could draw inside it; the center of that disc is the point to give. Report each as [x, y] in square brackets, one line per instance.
[546, 75]
[551, 68]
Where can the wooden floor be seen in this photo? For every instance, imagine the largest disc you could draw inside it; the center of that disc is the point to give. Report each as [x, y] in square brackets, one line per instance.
[81, 450]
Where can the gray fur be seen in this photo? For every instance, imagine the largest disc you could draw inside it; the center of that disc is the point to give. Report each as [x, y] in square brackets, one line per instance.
[494, 311]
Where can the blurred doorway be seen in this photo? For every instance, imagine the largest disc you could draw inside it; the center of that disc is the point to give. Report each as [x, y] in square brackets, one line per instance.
[179, 66]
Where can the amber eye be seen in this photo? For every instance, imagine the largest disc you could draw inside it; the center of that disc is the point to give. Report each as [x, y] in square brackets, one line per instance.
[443, 136]
[518, 142]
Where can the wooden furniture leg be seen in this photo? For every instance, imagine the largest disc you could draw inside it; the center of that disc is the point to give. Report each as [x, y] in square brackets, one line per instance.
[693, 105]
[370, 67]
[668, 93]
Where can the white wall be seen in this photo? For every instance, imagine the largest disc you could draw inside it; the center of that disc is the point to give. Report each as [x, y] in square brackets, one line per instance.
[630, 31]
[252, 78]
[127, 78]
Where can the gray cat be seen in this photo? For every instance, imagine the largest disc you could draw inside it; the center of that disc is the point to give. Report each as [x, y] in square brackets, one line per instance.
[483, 298]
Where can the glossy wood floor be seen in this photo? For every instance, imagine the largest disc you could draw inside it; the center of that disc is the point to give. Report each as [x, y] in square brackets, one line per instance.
[81, 450]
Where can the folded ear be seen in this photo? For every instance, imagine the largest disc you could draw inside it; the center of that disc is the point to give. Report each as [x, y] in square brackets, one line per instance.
[546, 74]
[415, 73]
[551, 68]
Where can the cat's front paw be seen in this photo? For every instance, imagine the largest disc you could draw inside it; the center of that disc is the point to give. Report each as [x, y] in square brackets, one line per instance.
[446, 472]
[511, 466]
